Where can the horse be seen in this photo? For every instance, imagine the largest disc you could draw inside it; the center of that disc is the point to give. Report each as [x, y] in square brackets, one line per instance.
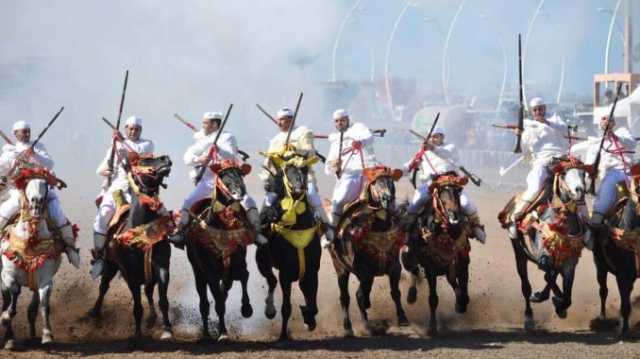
[554, 224]
[31, 253]
[367, 244]
[439, 243]
[137, 244]
[217, 243]
[616, 250]
[293, 235]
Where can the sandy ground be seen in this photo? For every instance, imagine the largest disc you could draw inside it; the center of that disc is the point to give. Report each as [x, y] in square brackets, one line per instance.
[492, 327]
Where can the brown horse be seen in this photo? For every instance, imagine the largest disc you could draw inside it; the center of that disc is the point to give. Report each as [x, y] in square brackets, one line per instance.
[367, 244]
[217, 244]
[440, 244]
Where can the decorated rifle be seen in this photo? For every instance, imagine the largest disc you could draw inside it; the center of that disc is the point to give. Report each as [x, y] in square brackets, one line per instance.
[266, 114]
[295, 116]
[5, 138]
[518, 148]
[113, 144]
[185, 122]
[596, 162]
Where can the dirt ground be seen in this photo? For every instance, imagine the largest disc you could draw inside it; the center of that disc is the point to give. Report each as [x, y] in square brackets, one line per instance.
[492, 327]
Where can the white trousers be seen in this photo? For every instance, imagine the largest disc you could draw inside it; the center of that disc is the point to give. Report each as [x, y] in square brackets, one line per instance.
[606, 195]
[203, 190]
[535, 180]
[12, 205]
[107, 209]
[347, 190]
[422, 195]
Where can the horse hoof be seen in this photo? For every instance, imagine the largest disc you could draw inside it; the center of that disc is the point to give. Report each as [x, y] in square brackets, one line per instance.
[283, 338]
[412, 296]
[378, 327]
[46, 338]
[247, 311]
[151, 320]
[166, 335]
[5, 319]
[403, 321]
[432, 332]
[461, 308]
[348, 333]
[94, 313]
[10, 344]
[223, 338]
[529, 324]
[600, 324]
[270, 312]
[538, 297]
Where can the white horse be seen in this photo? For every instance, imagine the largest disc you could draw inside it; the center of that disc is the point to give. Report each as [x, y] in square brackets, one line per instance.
[31, 235]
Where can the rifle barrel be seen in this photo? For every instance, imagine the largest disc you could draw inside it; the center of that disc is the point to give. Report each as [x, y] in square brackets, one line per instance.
[295, 116]
[266, 114]
[6, 138]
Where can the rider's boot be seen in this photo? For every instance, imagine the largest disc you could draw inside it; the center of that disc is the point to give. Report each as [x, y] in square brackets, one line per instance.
[177, 237]
[478, 229]
[254, 219]
[595, 225]
[329, 224]
[99, 241]
[69, 239]
[519, 210]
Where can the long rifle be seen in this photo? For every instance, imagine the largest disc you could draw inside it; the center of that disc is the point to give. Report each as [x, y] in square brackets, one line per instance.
[113, 144]
[425, 140]
[596, 162]
[6, 138]
[378, 133]
[185, 122]
[295, 115]
[215, 141]
[44, 130]
[339, 161]
[266, 114]
[472, 177]
[520, 127]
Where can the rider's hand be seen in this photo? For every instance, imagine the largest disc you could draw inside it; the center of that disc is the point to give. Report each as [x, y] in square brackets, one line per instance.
[517, 131]
[117, 136]
[203, 159]
[333, 165]
[105, 173]
[427, 146]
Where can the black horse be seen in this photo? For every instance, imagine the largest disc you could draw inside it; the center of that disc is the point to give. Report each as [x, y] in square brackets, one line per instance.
[367, 244]
[286, 226]
[148, 266]
[439, 243]
[615, 251]
[558, 223]
[216, 246]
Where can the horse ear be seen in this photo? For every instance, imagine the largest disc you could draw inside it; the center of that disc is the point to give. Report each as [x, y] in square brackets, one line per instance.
[396, 174]
[245, 168]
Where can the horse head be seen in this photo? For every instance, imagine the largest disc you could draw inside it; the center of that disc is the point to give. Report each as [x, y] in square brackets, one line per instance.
[292, 169]
[569, 180]
[36, 192]
[149, 172]
[230, 175]
[445, 193]
[380, 187]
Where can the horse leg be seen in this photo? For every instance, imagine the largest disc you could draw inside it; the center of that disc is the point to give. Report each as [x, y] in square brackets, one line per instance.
[564, 302]
[10, 293]
[345, 299]
[462, 296]
[138, 310]
[264, 266]
[163, 302]
[220, 296]
[201, 288]
[309, 287]
[32, 314]
[108, 273]
[246, 309]
[625, 286]
[362, 295]
[394, 285]
[521, 265]
[45, 295]
[432, 281]
[411, 265]
[153, 316]
[285, 285]
[604, 291]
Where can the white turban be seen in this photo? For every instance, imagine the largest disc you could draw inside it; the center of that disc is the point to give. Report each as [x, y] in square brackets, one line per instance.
[438, 131]
[133, 121]
[340, 113]
[284, 112]
[535, 102]
[212, 116]
[21, 125]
